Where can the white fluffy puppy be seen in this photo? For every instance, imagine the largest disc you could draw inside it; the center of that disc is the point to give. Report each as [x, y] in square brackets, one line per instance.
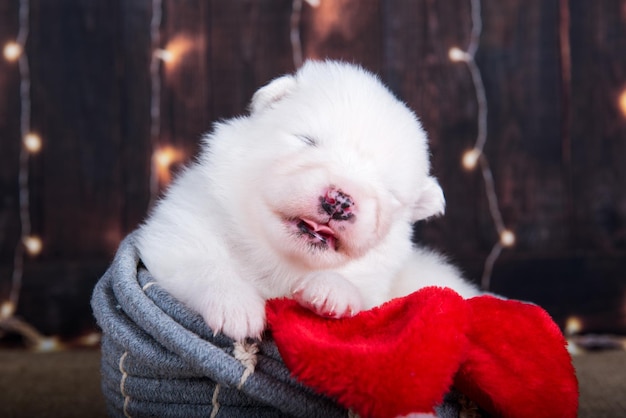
[311, 196]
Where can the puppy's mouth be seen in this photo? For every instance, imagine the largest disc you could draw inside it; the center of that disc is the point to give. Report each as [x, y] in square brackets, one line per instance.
[317, 234]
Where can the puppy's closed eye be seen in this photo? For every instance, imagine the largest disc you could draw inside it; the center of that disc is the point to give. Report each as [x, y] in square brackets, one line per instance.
[307, 139]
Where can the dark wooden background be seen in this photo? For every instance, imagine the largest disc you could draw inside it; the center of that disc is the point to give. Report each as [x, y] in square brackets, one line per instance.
[553, 72]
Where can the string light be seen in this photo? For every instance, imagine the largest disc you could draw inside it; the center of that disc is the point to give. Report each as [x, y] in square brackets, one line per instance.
[470, 158]
[295, 36]
[457, 55]
[158, 56]
[579, 343]
[573, 325]
[24, 195]
[7, 309]
[32, 143]
[164, 158]
[33, 245]
[622, 102]
[48, 344]
[32, 338]
[164, 55]
[507, 238]
[175, 50]
[475, 156]
[29, 243]
[12, 51]
[91, 339]
[296, 42]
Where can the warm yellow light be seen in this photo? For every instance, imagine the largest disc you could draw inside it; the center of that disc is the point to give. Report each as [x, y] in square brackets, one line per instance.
[573, 349]
[164, 54]
[164, 158]
[7, 309]
[470, 158]
[573, 325]
[12, 51]
[174, 51]
[33, 244]
[32, 143]
[48, 344]
[456, 55]
[507, 238]
[167, 156]
[622, 102]
[89, 340]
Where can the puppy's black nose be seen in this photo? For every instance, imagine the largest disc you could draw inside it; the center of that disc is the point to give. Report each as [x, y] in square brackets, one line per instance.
[337, 204]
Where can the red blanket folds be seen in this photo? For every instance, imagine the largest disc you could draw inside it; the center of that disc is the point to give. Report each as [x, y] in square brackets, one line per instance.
[403, 357]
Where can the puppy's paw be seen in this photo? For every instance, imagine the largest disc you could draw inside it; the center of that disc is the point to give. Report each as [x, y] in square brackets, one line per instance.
[328, 294]
[237, 315]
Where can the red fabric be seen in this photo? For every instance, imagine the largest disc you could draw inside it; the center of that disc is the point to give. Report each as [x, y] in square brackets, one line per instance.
[403, 357]
[517, 365]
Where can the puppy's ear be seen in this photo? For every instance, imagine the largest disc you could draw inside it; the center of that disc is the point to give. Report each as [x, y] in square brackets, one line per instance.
[430, 201]
[271, 93]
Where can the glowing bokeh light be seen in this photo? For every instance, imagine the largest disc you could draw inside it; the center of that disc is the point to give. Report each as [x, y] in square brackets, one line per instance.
[32, 143]
[457, 55]
[470, 158]
[12, 51]
[507, 238]
[164, 158]
[33, 245]
[622, 102]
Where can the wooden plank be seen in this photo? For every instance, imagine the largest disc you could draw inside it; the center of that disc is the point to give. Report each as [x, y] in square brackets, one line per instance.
[75, 97]
[598, 40]
[10, 141]
[249, 46]
[520, 71]
[134, 52]
[561, 185]
[417, 37]
[185, 93]
[588, 287]
[56, 296]
[348, 30]
[227, 50]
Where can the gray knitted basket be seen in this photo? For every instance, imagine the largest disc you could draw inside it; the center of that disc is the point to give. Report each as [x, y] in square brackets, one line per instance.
[159, 359]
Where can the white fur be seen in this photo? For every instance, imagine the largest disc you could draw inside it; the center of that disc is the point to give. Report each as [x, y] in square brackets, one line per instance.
[227, 236]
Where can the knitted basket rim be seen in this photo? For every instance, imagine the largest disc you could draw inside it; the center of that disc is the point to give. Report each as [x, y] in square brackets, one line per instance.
[160, 359]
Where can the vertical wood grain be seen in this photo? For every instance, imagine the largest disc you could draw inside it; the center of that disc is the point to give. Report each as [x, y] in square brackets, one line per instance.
[556, 139]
